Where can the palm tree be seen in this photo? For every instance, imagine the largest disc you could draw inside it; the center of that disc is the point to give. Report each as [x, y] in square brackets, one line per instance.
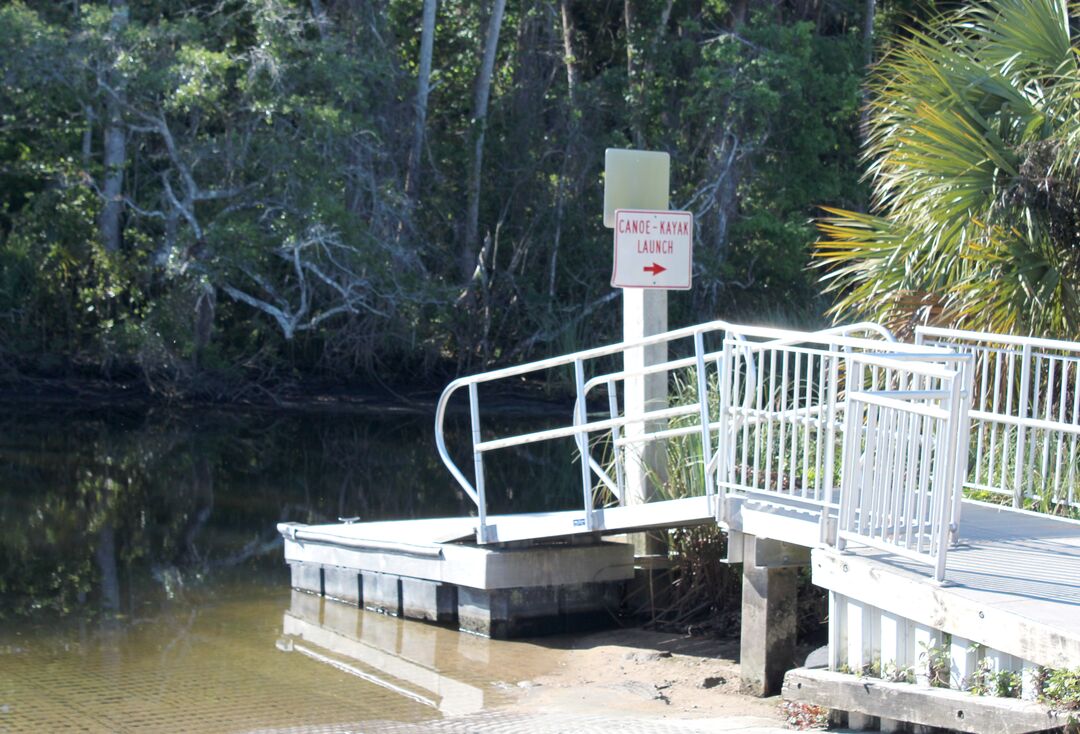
[972, 146]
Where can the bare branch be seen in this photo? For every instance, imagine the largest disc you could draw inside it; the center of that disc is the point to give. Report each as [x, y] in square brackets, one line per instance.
[321, 277]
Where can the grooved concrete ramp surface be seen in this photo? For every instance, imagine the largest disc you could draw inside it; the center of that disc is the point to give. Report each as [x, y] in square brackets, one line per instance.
[499, 722]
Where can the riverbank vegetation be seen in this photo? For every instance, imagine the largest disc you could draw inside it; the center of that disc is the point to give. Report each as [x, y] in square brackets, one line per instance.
[200, 196]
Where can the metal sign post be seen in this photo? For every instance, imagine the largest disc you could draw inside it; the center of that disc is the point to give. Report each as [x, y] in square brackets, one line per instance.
[639, 180]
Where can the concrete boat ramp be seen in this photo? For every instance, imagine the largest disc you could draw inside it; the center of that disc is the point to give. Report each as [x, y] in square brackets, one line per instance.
[824, 449]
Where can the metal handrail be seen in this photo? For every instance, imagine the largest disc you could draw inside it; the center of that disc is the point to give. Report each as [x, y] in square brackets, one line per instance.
[990, 337]
[1028, 389]
[582, 427]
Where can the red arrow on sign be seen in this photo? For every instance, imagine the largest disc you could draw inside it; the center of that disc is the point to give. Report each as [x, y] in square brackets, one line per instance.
[654, 269]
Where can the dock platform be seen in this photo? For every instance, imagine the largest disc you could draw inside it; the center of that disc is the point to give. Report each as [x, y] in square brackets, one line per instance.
[846, 453]
[1012, 586]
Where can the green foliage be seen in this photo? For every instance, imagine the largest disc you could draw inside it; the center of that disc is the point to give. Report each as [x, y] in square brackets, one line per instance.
[971, 150]
[934, 658]
[266, 227]
[986, 681]
[1061, 690]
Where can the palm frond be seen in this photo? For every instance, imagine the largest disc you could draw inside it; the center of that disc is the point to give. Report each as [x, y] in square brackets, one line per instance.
[972, 150]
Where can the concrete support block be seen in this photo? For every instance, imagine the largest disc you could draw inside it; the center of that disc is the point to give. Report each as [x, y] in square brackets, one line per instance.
[382, 593]
[507, 613]
[587, 599]
[891, 726]
[941, 708]
[861, 722]
[963, 661]
[774, 553]
[306, 577]
[536, 610]
[342, 584]
[428, 600]
[767, 648]
[588, 606]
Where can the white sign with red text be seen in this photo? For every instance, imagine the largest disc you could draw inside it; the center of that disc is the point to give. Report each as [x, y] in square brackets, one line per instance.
[653, 249]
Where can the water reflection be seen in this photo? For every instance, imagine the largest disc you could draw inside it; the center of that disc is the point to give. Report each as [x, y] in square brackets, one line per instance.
[102, 509]
[142, 584]
[410, 659]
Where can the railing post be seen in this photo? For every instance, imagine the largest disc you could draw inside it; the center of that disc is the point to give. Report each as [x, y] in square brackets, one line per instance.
[850, 472]
[829, 485]
[703, 409]
[723, 417]
[613, 409]
[966, 378]
[478, 460]
[945, 481]
[1021, 432]
[583, 443]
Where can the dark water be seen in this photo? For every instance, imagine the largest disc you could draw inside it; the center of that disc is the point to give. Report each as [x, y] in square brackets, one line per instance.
[141, 580]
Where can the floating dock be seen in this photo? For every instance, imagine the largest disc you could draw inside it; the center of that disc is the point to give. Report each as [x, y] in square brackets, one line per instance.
[844, 454]
[419, 569]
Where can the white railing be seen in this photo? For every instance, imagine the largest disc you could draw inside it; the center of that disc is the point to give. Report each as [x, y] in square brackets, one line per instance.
[814, 405]
[580, 427]
[905, 432]
[869, 432]
[784, 403]
[703, 367]
[1025, 414]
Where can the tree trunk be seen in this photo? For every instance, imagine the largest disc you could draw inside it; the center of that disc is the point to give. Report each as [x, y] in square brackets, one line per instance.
[322, 22]
[569, 57]
[868, 51]
[480, 110]
[724, 169]
[636, 133]
[574, 117]
[88, 136]
[115, 148]
[738, 13]
[423, 87]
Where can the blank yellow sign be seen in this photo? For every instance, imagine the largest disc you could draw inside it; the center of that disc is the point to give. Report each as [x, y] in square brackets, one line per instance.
[635, 179]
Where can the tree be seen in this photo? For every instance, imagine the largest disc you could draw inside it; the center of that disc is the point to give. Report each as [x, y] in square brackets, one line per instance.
[479, 124]
[202, 194]
[423, 88]
[115, 144]
[972, 151]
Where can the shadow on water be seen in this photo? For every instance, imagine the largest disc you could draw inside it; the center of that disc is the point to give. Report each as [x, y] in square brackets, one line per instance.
[141, 577]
